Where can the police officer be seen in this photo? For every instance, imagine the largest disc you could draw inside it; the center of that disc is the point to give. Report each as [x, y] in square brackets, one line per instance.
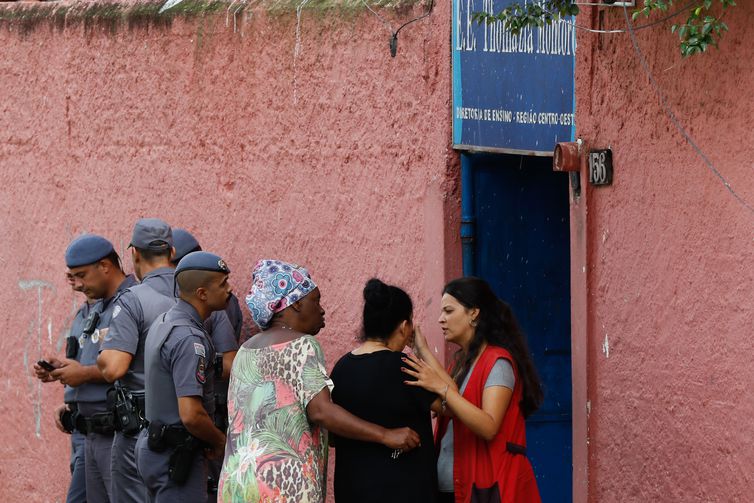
[223, 327]
[122, 357]
[184, 244]
[225, 349]
[179, 386]
[63, 413]
[95, 267]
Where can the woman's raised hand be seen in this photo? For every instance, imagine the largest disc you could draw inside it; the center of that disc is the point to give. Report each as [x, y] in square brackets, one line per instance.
[426, 377]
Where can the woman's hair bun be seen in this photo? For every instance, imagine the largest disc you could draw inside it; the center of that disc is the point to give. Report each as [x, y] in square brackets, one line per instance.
[377, 294]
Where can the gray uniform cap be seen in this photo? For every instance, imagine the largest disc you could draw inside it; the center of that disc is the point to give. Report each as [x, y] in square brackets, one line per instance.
[152, 234]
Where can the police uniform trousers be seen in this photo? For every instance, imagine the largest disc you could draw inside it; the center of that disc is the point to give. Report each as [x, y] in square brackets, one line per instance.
[153, 468]
[97, 455]
[77, 489]
[127, 484]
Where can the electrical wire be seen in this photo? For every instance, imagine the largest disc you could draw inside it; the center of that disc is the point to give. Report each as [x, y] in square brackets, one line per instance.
[429, 11]
[671, 115]
[389, 26]
[636, 28]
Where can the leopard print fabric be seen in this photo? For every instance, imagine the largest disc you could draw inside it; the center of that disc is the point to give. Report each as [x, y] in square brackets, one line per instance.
[273, 453]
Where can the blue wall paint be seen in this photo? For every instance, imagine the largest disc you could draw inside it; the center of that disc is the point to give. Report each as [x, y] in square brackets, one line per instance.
[468, 221]
[522, 249]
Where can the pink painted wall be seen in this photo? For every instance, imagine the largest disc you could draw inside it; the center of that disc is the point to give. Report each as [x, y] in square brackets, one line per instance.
[667, 257]
[338, 159]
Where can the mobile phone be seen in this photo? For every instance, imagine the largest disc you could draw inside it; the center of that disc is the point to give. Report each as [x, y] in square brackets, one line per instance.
[46, 365]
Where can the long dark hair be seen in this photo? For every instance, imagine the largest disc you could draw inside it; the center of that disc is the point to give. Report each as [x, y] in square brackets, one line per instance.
[385, 307]
[497, 326]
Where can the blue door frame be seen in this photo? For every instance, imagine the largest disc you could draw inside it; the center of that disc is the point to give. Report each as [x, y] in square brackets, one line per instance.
[515, 234]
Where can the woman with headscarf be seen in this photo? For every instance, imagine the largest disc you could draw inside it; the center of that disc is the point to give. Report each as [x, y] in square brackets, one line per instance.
[279, 397]
[369, 383]
[492, 388]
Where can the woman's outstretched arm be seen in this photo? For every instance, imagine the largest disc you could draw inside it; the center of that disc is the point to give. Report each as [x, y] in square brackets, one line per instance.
[485, 421]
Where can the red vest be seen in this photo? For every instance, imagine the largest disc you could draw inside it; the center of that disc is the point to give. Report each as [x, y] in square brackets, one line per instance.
[481, 463]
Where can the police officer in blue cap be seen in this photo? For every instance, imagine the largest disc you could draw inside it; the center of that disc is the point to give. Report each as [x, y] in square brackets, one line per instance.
[64, 413]
[95, 268]
[122, 357]
[184, 244]
[225, 349]
[179, 386]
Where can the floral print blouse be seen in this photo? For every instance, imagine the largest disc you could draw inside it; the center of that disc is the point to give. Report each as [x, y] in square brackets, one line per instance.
[273, 453]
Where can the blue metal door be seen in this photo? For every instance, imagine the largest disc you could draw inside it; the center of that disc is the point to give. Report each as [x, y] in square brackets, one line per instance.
[522, 248]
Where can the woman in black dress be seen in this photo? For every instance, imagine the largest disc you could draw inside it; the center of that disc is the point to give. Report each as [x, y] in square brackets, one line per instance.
[370, 384]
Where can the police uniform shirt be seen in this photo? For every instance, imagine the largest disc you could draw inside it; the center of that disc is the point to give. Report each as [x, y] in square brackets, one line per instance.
[221, 332]
[77, 326]
[133, 313]
[92, 397]
[233, 310]
[187, 354]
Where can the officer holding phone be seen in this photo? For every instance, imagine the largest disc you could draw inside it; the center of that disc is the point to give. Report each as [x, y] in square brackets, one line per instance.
[65, 412]
[95, 270]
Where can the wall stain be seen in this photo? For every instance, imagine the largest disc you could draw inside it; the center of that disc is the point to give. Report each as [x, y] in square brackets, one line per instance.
[35, 338]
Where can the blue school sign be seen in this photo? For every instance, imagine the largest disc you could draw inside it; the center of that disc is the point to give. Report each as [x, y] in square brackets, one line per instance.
[511, 94]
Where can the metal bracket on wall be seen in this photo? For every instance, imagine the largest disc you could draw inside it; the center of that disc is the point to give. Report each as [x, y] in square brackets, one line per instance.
[567, 157]
[575, 184]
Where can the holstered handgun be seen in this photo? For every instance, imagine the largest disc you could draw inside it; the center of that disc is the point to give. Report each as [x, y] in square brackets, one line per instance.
[162, 436]
[182, 458]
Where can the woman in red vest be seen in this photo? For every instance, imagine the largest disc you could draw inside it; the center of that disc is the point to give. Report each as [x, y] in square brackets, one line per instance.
[492, 387]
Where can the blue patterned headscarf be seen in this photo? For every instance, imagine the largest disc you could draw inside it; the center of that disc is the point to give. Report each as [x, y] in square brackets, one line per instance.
[276, 285]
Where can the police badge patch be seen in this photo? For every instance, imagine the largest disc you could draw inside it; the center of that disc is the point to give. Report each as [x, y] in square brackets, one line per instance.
[201, 371]
[199, 349]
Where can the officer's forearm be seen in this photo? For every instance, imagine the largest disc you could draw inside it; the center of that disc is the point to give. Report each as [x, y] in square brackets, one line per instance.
[198, 423]
[92, 374]
[228, 357]
[204, 429]
[113, 364]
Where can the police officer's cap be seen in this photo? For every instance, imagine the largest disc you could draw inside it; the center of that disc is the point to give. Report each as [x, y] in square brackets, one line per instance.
[183, 242]
[201, 261]
[152, 234]
[87, 249]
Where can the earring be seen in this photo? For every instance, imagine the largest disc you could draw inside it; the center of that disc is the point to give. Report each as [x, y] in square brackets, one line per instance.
[473, 323]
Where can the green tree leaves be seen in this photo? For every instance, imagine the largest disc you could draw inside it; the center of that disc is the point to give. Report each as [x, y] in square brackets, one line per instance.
[701, 30]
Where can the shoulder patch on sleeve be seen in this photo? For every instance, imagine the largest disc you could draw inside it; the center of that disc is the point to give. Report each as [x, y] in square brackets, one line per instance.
[199, 349]
[116, 311]
[201, 371]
